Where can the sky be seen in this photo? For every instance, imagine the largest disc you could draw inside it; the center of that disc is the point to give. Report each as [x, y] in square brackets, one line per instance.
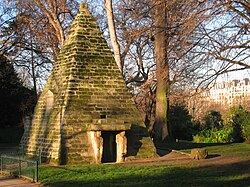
[234, 75]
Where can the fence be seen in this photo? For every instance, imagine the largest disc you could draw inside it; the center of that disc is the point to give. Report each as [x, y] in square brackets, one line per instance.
[18, 166]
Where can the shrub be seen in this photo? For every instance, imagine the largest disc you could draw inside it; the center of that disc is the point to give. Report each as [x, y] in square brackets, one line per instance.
[236, 127]
[212, 119]
[214, 135]
[236, 117]
[245, 126]
[181, 122]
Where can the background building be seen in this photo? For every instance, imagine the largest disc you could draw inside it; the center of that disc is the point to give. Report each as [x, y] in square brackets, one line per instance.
[234, 92]
[221, 96]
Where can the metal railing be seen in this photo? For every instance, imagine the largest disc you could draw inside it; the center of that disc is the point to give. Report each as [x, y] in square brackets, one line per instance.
[19, 166]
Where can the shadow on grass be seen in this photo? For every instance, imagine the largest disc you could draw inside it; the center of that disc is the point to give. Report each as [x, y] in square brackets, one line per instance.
[236, 174]
[212, 156]
[163, 152]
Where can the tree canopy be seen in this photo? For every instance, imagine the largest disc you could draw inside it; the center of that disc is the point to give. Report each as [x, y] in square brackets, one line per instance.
[16, 100]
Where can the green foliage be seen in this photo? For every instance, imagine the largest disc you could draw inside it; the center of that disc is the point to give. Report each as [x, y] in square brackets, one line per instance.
[16, 100]
[214, 135]
[234, 126]
[213, 119]
[235, 118]
[181, 123]
[245, 126]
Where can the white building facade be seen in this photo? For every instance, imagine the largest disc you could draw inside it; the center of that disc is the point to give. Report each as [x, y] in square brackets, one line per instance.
[230, 93]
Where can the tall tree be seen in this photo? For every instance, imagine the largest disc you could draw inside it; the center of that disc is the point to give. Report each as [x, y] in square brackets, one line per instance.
[49, 20]
[138, 32]
[175, 34]
[36, 32]
[162, 71]
[112, 33]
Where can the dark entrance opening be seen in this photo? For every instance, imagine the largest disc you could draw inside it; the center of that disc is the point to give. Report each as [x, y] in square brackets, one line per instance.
[109, 146]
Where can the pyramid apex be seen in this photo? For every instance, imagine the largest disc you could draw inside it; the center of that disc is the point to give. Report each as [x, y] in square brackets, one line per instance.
[83, 6]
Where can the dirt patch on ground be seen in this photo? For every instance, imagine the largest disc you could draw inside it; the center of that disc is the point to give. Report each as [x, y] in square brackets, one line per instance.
[176, 158]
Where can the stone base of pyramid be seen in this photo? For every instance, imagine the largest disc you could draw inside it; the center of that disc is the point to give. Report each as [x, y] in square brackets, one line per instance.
[100, 144]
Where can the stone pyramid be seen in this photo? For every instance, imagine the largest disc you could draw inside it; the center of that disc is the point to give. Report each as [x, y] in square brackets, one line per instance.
[85, 113]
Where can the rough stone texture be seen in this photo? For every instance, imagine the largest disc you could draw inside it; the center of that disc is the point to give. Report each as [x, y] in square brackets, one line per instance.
[199, 154]
[85, 95]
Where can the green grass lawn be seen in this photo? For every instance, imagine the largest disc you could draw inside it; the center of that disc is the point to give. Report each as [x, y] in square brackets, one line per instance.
[235, 174]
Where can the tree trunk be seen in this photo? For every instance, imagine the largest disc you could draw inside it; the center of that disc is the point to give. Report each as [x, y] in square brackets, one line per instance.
[53, 19]
[162, 72]
[112, 33]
